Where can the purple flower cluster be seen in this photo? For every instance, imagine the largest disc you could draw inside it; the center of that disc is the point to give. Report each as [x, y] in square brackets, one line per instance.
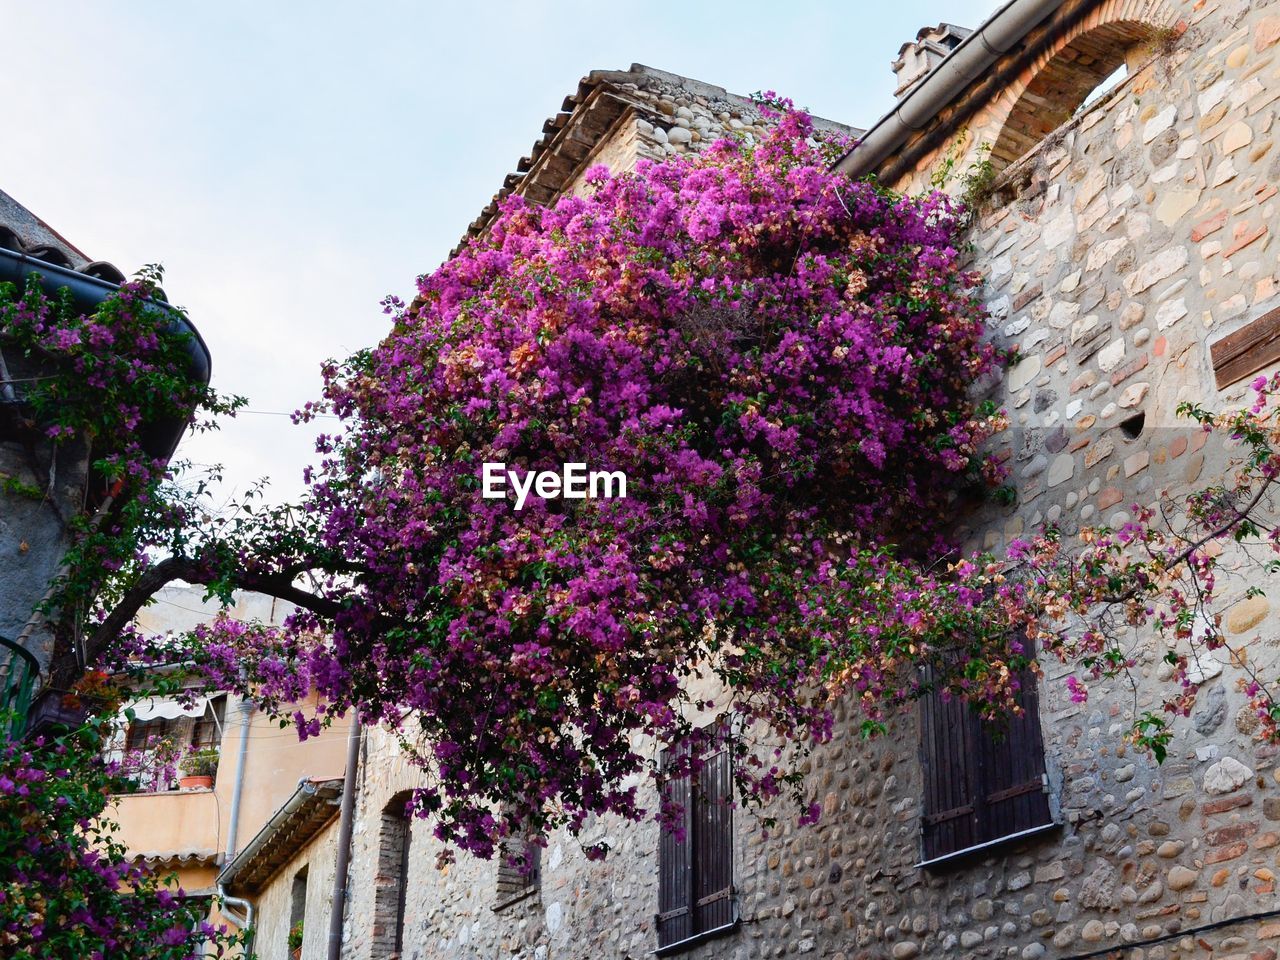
[779, 359]
[68, 887]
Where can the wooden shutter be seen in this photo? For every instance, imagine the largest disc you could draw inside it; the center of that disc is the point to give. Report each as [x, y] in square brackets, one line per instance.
[713, 843]
[981, 782]
[1248, 350]
[675, 860]
[950, 820]
[1012, 766]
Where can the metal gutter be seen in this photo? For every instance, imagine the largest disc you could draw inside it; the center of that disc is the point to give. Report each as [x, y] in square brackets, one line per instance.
[1002, 31]
[158, 439]
[329, 791]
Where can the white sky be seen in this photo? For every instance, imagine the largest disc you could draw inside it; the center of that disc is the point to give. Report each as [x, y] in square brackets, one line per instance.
[292, 163]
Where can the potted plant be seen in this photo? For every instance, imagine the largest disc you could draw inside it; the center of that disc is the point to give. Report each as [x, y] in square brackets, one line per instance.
[198, 769]
[295, 941]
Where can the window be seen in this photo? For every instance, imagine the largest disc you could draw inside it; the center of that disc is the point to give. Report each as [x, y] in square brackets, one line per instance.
[695, 864]
[1079, 73]
[981, 784]
[519, 870]
[207, 734]
[297, 911]
[151, 750]
[391, 885]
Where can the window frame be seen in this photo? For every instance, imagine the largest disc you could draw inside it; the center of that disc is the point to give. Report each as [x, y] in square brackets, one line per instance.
[972, 758]
[716, 773]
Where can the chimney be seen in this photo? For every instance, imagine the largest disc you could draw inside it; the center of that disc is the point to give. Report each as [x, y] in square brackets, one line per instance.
[916, 59]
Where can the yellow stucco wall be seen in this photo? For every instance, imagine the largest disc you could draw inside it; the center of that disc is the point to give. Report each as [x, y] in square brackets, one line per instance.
[160, 825]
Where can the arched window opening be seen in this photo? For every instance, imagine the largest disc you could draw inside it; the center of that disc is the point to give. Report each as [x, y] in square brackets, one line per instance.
[1079, 75]
[1117, 77]
[297, 912]
[392, 881]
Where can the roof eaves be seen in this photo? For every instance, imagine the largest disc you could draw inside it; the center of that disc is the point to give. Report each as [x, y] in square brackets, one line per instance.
[570, 138]
[297, 821]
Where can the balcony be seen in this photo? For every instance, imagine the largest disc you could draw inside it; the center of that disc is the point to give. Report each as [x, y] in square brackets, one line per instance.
[18, 671]
[168, 826]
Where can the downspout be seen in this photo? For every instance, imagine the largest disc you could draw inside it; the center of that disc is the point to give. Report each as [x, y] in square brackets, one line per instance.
[1003, 30]
[343, 862]
[237, 791]
[233, 823]
[245, 923]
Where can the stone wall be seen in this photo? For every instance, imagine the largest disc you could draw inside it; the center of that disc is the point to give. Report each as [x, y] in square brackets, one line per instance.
[1125, 243]
[275, 903]
[671, 116]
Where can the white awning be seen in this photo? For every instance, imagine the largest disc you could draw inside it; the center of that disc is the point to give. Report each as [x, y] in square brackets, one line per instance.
[166, 708]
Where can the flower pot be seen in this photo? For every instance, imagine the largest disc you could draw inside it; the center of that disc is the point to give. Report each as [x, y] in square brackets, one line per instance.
[196, 783]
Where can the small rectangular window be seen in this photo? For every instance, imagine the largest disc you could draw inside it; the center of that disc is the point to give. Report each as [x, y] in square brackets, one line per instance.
[981, 783]
[695, 866]
[519, 870]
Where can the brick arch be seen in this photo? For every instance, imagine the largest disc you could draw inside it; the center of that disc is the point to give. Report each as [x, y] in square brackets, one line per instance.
[391, 880]
[1050, 90]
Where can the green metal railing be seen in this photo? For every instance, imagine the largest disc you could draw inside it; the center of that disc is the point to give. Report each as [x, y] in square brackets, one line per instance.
[18, 672]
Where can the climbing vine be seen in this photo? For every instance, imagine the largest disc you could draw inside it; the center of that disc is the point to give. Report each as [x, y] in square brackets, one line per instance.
[77, 385]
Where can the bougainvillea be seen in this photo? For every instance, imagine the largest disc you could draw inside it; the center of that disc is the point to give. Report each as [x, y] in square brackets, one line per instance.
[783, 364]
[100, 383]
[778, 359]
[76, 384]
[68, 887]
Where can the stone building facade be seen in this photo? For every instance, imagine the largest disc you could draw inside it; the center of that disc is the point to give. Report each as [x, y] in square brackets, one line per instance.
[1123, 231]
[287, 868]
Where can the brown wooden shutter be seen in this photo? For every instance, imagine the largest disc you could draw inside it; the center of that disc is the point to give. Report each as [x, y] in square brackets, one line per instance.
[1012, 763]
[675, 860]
[950, 820]
[1248, 350]
[981, 782]
[713, 843]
